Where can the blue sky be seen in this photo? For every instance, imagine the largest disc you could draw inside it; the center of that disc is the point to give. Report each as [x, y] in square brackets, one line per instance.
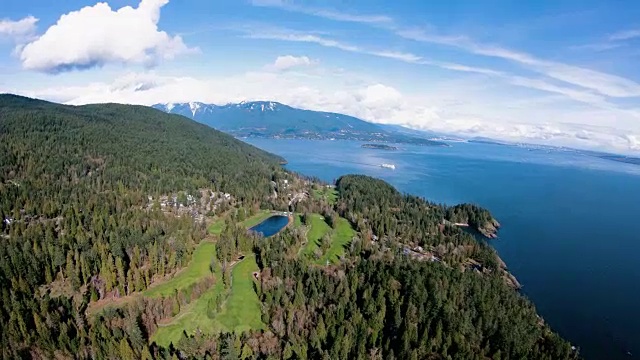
[551, 72]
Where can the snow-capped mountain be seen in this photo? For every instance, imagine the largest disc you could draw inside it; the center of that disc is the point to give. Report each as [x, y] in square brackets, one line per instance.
[189, 109]
[195, 108]
[273, 119]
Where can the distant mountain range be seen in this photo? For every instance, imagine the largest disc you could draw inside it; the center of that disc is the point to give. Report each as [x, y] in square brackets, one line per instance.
[275, 120]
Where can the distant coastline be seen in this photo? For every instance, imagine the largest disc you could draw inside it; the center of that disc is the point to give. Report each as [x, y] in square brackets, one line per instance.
[379, 147]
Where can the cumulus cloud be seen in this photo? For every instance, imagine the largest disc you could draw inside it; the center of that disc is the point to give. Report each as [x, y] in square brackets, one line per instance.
[97, 35]
[634, 141]
[19, 28]
[287, 62]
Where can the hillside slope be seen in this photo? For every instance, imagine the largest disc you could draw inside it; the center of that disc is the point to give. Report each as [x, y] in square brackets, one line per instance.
[274, 120]
[136, 145]
[76, 225]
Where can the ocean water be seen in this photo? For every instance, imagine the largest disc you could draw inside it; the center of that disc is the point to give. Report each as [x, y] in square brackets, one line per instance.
[569, 232]
[271, 225]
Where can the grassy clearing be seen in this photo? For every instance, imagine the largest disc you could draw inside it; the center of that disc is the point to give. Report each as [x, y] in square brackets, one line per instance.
[317, 228]
[297, 220]
[341, 238]
[240, 312]
[191, 317]
[216, 227]
[328, 194]
[242, 309]
[196, 270]
[256, 219]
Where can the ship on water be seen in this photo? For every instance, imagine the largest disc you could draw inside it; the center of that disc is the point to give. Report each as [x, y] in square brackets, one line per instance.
[388, 166]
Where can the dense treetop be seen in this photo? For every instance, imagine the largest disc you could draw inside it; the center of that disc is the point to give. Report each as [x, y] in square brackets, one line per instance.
[74, 183]
[133, 145]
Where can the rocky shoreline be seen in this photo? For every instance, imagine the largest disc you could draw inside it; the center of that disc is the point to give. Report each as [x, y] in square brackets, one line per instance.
[490, 229]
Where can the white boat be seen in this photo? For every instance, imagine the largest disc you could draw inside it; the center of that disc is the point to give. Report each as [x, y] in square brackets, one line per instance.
[388, 166]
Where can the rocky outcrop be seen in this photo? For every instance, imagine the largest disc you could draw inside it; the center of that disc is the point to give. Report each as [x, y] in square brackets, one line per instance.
[490, 229]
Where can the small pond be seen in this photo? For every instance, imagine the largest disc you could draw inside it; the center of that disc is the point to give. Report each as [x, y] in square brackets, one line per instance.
[271, 225]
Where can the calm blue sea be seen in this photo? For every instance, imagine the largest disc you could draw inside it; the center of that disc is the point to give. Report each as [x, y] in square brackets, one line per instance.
[570, 222]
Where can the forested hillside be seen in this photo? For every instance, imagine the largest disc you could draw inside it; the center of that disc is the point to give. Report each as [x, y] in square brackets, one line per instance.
[73, 185]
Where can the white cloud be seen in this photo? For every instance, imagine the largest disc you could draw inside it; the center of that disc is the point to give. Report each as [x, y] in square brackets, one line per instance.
[582, 95]
[287, 62]
[614, 41]
[603, 83]
[284, 35]
[18, 29]
[625, 35]
[634, 141]
[599, 47]
[324, 13]
[339, 16]
[402, 56]
[577, 95]
[293, 36]
[97, 35]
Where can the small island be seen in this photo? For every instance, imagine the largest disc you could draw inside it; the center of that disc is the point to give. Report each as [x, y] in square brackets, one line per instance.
[379, 147]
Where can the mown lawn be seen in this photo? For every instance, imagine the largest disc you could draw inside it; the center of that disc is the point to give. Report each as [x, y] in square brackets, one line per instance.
[341, 238]
[256, 219]
[329, 194]
[297, 220]
[216, 227]
[240, 312]
[196, 270]
[191, 317]
[317, 228]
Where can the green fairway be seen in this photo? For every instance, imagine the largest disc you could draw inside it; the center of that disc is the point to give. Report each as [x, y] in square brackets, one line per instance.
[216, 227]
[341, 237]
[317, 228]
[256, 219]
[195, 271]
[240, 312]
[329, 194]
[191, 317]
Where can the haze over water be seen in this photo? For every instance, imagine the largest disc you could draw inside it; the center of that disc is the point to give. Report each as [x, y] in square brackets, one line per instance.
[569, 232]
